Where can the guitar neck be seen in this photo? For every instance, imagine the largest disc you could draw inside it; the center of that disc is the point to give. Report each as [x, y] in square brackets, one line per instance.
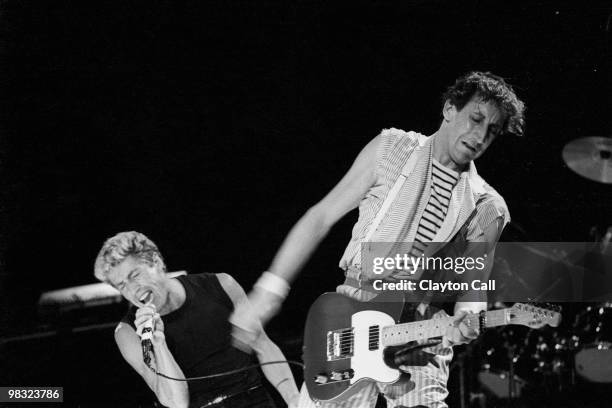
[426, 329]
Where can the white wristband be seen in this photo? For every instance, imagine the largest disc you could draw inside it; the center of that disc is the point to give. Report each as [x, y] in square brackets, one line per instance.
[273, 283]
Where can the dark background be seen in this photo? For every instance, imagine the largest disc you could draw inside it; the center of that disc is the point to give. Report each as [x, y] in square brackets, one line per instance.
[212, 126]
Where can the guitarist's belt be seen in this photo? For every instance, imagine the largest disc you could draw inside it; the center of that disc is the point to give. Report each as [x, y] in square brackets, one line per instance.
[355, 288]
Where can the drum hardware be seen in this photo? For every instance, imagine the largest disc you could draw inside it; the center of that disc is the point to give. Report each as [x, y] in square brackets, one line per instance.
[497, 375]
[460, 364]
[593, 360]
[563, 366]
[516, 361]
[512, 381]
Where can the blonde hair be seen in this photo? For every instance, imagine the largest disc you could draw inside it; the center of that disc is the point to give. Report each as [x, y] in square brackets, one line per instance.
[129, 243]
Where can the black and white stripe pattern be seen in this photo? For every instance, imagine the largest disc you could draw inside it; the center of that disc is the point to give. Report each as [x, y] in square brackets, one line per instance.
[443, 181]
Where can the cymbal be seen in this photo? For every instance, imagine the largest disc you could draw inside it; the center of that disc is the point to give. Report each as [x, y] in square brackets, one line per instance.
[590, 157]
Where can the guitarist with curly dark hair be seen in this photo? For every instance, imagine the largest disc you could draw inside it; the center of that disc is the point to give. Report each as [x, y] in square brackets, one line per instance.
[422, 191]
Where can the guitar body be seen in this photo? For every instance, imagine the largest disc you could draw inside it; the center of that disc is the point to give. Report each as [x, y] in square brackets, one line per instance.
[348, 344]
[342, 346]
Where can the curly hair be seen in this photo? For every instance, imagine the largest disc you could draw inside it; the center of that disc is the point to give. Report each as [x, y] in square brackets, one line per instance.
[129, 243]
[492, 88]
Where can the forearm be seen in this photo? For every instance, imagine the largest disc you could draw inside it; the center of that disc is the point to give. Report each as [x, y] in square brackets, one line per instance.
[170, 393]
[279, 375]
[475, 301]
[299, 245]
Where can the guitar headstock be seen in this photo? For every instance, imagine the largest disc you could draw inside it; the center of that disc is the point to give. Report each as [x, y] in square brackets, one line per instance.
[535, 317]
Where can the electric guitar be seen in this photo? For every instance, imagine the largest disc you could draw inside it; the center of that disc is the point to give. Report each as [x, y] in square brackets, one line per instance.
[345, 340]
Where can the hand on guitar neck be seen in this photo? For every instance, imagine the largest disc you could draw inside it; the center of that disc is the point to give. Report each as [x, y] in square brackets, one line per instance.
[413, 354]
[461, 332]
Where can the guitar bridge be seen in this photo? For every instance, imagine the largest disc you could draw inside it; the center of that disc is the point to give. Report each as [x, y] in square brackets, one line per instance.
[334, 376]
[340, 344]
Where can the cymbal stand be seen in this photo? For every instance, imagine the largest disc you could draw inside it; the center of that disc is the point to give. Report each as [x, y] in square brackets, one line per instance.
[511, 380]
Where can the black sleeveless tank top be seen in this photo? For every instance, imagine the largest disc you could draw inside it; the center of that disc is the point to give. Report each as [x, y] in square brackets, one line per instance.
[198, 336]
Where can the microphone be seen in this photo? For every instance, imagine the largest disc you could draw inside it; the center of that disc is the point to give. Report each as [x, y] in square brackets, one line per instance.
[145, 341]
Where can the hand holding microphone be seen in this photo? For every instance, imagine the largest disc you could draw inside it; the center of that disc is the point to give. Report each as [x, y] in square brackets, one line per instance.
[150, 328]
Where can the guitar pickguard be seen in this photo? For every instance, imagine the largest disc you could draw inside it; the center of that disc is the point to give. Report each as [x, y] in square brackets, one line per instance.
[342, 344]
[368, 363]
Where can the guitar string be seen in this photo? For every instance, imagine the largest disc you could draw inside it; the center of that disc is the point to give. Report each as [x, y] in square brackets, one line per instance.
[493, 318]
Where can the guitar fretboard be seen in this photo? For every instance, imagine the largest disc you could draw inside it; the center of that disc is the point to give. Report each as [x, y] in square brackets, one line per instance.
[426, 329]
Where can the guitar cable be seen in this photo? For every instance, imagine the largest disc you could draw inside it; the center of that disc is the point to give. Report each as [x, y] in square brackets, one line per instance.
[224, 373]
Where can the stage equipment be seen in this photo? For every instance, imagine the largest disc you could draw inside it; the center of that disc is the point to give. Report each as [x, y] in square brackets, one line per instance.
[590, 157]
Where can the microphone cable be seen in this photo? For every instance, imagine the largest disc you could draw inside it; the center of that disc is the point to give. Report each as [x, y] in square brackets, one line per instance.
[224, 373]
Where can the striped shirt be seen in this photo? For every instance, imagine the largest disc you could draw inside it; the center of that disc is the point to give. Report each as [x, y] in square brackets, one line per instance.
[400, 224]
[443, 181]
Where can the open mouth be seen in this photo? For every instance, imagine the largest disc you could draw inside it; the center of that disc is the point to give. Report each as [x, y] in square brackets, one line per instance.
[146, 297]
